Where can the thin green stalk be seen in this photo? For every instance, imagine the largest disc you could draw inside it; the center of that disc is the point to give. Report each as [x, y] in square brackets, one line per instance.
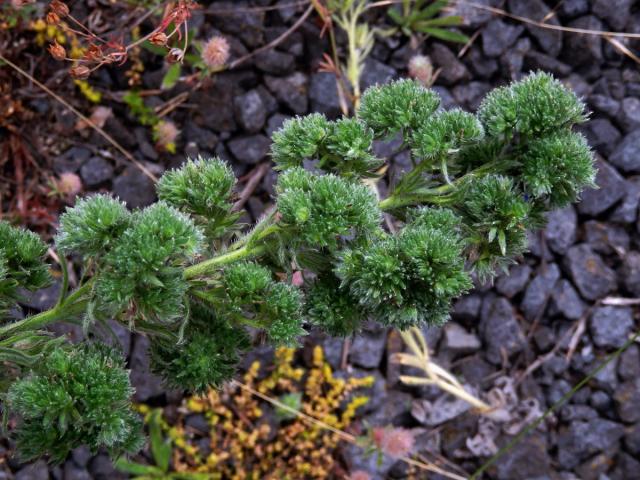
[440, 195]
[72, 305]
[524, 432]
[208, 265]
[65, 280]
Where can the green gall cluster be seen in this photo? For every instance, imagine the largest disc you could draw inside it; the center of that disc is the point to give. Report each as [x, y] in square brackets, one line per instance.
[537, 104]
[77, 396]
[202, 188]
[445, 133]
[142, 274]
[496, 217]
[321, 208]
[298, 139]
[400, 106]
[93, 226]
[557, 167]
[206, 357]
[342, 147]
[409, 278]
[333, 308]
[22, 264]
[250, 294]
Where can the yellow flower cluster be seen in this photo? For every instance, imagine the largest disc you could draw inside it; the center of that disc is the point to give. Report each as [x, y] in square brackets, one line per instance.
[245, 443]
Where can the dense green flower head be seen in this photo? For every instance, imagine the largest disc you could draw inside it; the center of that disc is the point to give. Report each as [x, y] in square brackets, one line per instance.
[536, 104]
[497, 216]
[342, 147]
[333, 308]
[409, 278]
[298, 139]
[142, 274]
[557, 167]
[446, 132]
[246, 281]
[201, 187]
[435, 218]
[250, 295]
[93, 225]
[284, 306]
[317, 209]
[401, 105]
[77, 396]
[347, 151]
[206, 358]
[22, 261]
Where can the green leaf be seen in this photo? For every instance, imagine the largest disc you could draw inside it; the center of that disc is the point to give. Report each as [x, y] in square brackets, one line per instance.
[431, 11]
[447, 35]
[171, 77]
[137, 468]
[492, 234]
[451, 21]
[291, 400]
[154, 48]
[502, 241]
[395, 16]
[160, 447]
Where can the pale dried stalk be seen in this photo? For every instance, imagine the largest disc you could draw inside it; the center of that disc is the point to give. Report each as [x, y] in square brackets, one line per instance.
[340, 433]
[420, 358]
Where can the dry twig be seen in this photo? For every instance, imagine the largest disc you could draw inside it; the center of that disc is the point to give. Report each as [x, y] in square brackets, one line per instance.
[83, 117]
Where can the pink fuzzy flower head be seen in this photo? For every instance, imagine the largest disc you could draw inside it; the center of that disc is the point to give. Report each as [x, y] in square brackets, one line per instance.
[166, 133]
[421, 69]
[395, 442]
[215, 52]
[359, 475]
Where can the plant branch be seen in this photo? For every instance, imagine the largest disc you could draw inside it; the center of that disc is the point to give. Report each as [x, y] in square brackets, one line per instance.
[224, 259]
[74, 303]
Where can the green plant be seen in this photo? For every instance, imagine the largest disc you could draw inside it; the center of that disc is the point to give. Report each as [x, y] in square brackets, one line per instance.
[421, 17]
[178, 272]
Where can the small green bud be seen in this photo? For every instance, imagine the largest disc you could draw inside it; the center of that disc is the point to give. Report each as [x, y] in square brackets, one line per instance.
[283, 304]
[497, 216]
[333, 308]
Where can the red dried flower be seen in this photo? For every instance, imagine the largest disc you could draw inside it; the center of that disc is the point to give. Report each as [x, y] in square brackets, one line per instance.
[93, 53]
[159, 38]
[52, 18]
[59, 8]
[80, 72]
[57, 51]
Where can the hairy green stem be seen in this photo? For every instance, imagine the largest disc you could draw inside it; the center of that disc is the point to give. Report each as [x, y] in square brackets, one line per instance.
[224, 259]
[65, 280]
[441, 195]
[74, 303]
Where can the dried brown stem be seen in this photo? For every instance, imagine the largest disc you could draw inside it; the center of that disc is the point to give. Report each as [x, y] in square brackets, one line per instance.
[83, 117]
